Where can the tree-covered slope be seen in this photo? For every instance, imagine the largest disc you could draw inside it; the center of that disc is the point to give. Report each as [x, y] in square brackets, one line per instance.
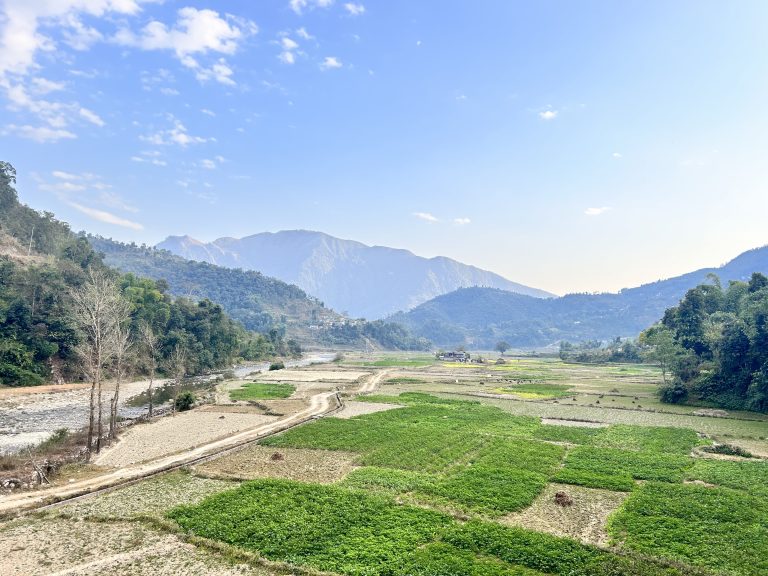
[482, 316]
[42, 264]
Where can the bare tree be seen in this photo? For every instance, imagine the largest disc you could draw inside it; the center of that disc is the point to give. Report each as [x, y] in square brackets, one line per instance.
[94, 306]
[122, 346]
[151, 347]
[177, 366]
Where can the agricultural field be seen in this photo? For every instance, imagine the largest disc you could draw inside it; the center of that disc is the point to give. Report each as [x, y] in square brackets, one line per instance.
[456, 470]
[261, 391]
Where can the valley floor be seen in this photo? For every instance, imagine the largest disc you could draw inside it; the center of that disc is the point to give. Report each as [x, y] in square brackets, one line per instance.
[527, 467]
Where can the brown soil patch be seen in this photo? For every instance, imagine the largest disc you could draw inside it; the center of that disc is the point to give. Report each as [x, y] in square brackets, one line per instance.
[352, 409]
[312, 376]
[323, 466]
[58, 547]
[572, 423]
[584, 519]
[48, 389]
[174, 434]
[284, 406]
[231, 409]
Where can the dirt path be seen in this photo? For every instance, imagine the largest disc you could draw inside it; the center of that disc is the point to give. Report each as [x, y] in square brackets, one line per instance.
[374, 381]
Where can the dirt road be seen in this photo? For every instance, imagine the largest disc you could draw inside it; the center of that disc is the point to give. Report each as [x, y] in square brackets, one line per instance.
[319, 404]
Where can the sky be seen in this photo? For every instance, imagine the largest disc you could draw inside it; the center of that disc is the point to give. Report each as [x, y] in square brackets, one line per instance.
[574, 146]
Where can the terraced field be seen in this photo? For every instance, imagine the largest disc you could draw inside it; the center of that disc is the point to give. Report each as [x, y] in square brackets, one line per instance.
[453, 478]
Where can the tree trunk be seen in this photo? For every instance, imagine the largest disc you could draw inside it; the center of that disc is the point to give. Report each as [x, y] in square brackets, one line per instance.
[99, 426]
[89, 445]
[151, 381]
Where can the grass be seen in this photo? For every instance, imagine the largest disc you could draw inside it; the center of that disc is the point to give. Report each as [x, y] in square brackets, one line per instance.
[751, 477]
[535, 391]
[718, 528]
[262, 391]
[352, 532]
[599, 467]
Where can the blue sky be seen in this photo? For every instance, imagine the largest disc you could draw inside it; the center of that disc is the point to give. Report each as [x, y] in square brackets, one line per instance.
[572, 146]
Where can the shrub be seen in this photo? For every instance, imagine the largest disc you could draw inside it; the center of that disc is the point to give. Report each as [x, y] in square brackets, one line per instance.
[674, 393]
[185, 400]
[728, 450]
[277, 366]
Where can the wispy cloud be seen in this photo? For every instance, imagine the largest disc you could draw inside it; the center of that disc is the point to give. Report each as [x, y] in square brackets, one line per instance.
[461, 221]
[177, 135]
[298, 6]
[330, 63]
[616, 155]
[42, 134]
[91, 116]
[426, 216]
[597, 211]
[354, 9]
[106, 217]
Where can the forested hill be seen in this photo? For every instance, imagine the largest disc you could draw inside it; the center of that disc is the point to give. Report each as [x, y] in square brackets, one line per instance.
[259, 302]
[365, 281]
[480, 317]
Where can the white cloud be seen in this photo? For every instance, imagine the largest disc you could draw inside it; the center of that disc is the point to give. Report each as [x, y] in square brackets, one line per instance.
[330, 63]
[208, 112]
[461, 221]
[106, 217]
[43, 86]
[303, 34]
[288, 44]
[39, 133]
[166, 91]
[548, 114]
[616, 155]
[21, 37]
[208, 164]
[426, 216]
[597, 211]
[177, 135]
[286, 57]
[91, 116]
[298, 6]
[354, 9]
[195, 32]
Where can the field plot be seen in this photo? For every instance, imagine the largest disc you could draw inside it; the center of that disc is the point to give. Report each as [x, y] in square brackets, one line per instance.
[174, 434]
[322, 466]
[262, 391]
[584, 519]
[352, 409]
[313, 376]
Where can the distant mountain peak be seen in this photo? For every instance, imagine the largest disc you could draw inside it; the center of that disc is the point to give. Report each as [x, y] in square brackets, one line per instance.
[366, 281]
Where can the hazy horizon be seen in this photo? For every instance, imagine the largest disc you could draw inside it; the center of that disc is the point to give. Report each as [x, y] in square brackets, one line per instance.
[571, 147]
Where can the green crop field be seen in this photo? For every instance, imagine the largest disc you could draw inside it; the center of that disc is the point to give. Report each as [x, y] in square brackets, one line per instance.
[262, 391]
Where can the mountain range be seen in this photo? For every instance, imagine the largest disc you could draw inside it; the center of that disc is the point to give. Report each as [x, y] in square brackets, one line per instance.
[480, 317]
[363, 281]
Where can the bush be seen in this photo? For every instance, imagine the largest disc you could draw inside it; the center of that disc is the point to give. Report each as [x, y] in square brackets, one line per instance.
[184, 401]
[277, 366]
[728, 450]
[674, 393]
